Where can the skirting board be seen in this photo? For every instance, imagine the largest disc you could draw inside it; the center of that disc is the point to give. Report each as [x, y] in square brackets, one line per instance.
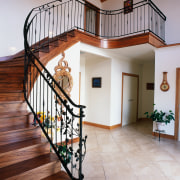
[75, 140]
[163, 135]
[144, 119]
[102, 126]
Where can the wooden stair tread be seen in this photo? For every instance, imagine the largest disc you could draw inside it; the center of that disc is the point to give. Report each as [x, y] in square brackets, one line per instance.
[11, 70]
[20, 135]
[10, 77]
[11, 87]
[13, 121]
[12, 63]
[22, 156]
[11, 96]
[15, 127]
[16, 156]
[23, 166]
[12, 105]
[11, 91]
[13, 114]
[19, 144]
[59, 176]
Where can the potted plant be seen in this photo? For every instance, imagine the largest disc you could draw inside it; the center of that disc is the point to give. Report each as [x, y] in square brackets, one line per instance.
[161, 118]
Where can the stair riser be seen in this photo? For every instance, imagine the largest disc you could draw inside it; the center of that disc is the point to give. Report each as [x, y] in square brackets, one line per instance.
[10, 86]
[11, 64]
[9, 70]
[8, 77]
[11, 97]
[8, 107]
[13, 157]
[27, 165]
[19, 136]
[39, 173]
[13, 121]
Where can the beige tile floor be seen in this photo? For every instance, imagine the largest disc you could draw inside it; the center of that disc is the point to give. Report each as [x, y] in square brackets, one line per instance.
[130, 153]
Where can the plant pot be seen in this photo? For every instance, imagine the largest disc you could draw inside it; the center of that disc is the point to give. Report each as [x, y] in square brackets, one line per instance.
[160, 126]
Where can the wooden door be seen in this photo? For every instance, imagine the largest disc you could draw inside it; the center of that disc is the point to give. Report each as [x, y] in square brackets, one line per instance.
[177, 108]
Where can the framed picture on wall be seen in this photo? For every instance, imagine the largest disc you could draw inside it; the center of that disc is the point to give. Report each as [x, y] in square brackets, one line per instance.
[96, 82]
[149, 86]
[128, 6]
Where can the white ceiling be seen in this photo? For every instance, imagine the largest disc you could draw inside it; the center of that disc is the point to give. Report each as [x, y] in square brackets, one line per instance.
[138, 54]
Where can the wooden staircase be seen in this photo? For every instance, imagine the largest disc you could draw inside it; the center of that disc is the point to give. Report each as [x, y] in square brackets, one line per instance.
[22, 153]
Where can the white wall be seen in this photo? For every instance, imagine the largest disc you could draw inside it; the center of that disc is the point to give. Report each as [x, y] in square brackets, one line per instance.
[12, 18]
[166, 59]
[72, 56]
[119, 64]
[171, 10]
[147, 95]
[98, 99]
[83, 79]
[95, 2]
[47, 97]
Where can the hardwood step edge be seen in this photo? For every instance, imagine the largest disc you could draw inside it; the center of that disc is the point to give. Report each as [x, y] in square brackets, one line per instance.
[39, 172]
[17, 130]
[23, 148]
[20, 155]
[27, 165]
[20, 144]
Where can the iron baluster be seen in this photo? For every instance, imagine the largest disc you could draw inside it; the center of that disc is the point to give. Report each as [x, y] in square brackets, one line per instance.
[64, 17]
[49, 19]
[57, 21]
[53, 24]
[40, 28]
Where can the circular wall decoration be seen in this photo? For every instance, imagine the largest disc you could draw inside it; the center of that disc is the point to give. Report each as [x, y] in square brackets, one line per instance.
[164, 85]
[63, 77]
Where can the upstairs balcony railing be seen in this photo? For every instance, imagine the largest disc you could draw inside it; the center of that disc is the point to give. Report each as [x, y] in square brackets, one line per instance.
[57, 17]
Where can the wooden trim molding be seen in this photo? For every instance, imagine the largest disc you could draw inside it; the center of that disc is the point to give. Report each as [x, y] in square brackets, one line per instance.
[163, 135]
[132, 75]
[177, 102]
[133, 40]
[170, 45]
[144, 119]
[96, 41]
[101, 126]
[74, 140]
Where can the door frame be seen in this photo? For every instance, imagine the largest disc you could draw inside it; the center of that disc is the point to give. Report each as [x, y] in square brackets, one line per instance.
[97, 17]
[132, 75]
[177, 102]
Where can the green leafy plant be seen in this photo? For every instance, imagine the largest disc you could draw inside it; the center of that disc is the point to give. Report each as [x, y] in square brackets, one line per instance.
[160, 116]
[65, 152]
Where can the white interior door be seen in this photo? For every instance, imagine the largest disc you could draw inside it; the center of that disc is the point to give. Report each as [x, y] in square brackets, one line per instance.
[130, 88]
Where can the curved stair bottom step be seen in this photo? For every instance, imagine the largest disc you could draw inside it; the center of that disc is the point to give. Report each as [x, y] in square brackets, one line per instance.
[32, 169]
